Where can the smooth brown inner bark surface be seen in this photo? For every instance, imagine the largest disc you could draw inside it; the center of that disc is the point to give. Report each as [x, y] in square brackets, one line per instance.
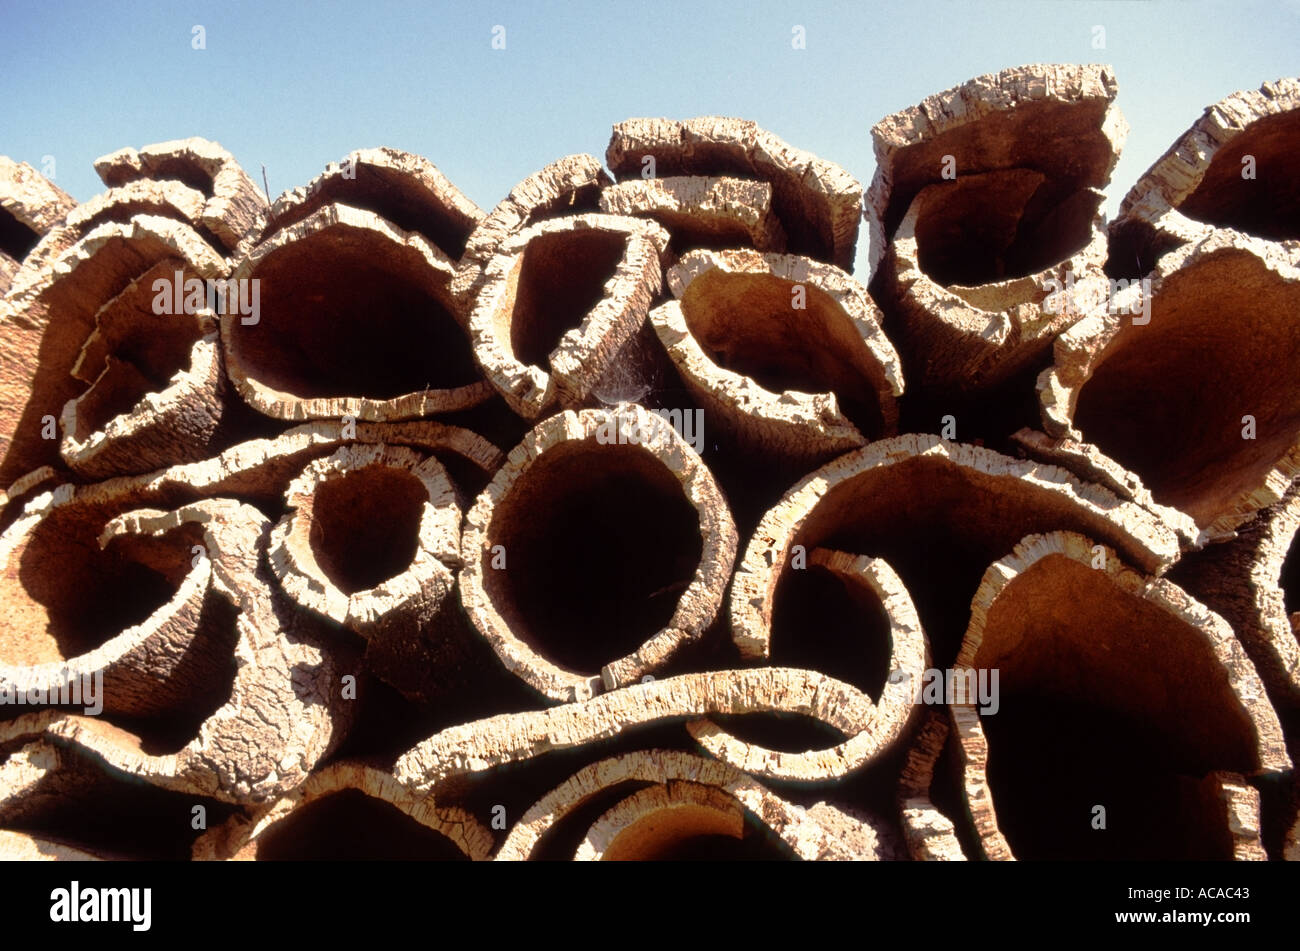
[349, 825]
[345, 313]
[559, 278]
[1167, 401]
[747, 323]
[1268, 205]
[365, 526]
[600, 543]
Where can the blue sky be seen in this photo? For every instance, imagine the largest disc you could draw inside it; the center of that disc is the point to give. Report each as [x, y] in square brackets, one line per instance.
[295, 86]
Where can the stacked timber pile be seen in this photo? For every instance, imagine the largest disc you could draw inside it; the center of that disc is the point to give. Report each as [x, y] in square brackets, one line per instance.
[623, 521]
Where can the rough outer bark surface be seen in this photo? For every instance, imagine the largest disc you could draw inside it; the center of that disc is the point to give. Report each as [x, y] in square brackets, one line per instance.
[481, 588]
[1227, 301]
[46, 322]
[885, 720]
[31, 199]
[233, 202]
[1060, 120]
[567, 186]
[405, 189]
[303, 251]
[818, 202]
[1249, 735]
[238, 839]
[1198, 183]
[509, 308]
[699, 211]
[798, 827]
[736, 307]
[401, 604]
[930, 835]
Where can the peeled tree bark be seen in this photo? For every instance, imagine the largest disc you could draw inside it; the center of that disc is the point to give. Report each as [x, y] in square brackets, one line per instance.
[30, 207]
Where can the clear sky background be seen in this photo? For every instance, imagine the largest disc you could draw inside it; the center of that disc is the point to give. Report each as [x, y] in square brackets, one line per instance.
[296, 86]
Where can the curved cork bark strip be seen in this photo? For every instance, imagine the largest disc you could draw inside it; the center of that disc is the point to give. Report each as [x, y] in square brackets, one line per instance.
[567, 186]
[483, 745]
[51, 320]
[282, 715]
[884, 720]
[1138, 392]
[568, 294]
[1057, 120]
[799, 828]
[371, 539]
[1254, 582]
[886, 497]
[975, 303]
[785, 352]
[405, 189]
[658, 822]
[30, 206]
[527, 542]
[701, 212]
[1136, 677]
[271, 834]
[232, 202]
[355, 320]
[930, 835]
[1200, 183]
[819, 203]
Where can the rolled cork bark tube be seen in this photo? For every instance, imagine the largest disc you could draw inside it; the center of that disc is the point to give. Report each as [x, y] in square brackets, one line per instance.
[786, 353]
[355, 320]
[371, 539]
[557, 303]
[30, 207]
[404, 189]
[884, 499]
[982, 195]
[1137, 702]
[662, 822]
[1137, 391]
[1234, 168]
[49, 321]
[818, 203]
[662, 563]
[348, 810]
[801, 829]
[930, 835]
[700, 211]
[232, 202]
[882, 722]
[281, 713]
[567, 186]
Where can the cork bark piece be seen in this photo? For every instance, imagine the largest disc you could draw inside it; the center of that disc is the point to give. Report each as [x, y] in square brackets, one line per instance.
[354, 806]
[30, 206]
[405, 189]
[659, 822]
[818, 203]
[262, 732]
[883, 499]
[657, 565]
[355, 320]
[559, 301]
[1133, 694]
[1059, 120]
[930, 835]
[568, 186]
[370, 540]
[799, 828]
[21, 847]
[1234, 168]
[1138, 391]
[884, 720]
[786, 353]
[482, 745]
[976, 273]
[232, 202]
[1254, 582]
[49, 320]
[699, 211]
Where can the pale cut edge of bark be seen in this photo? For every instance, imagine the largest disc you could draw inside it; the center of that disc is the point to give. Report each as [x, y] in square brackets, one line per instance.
[708, 203]
[930, 835]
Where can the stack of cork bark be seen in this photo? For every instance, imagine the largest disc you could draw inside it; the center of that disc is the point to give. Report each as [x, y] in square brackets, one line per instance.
[623, 521]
